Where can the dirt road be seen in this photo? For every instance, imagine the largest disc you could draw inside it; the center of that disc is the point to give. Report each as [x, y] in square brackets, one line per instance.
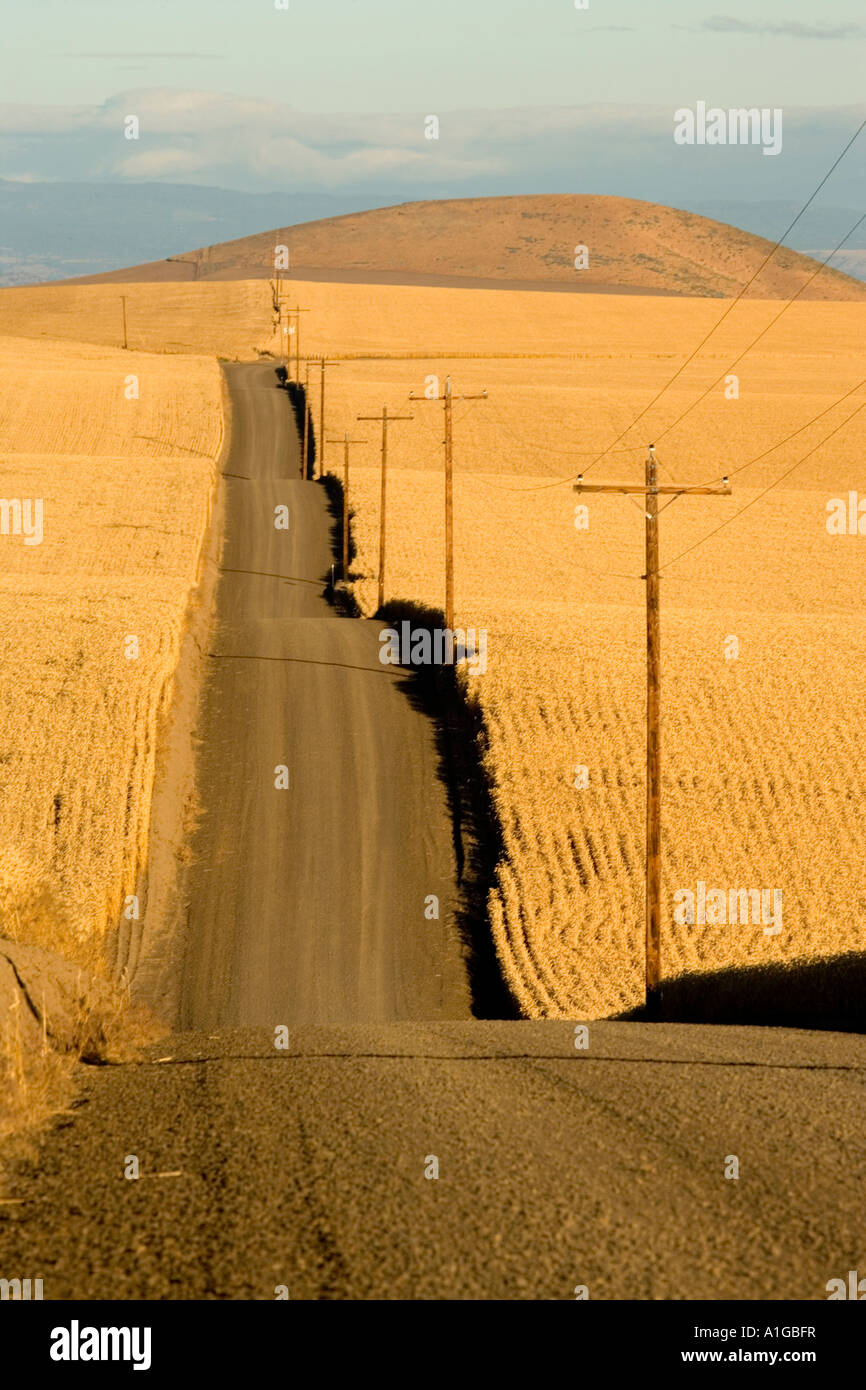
[306, 902]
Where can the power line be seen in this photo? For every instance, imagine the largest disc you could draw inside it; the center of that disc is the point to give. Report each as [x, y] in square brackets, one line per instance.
[447, 398]
[734, 302]
[784, 309]
[669, 428]
[563, 453]
[533, 543]
[383, 492]
[649, 493]
[788, 437]
[780, 479]
[559, 482]
[529, 541]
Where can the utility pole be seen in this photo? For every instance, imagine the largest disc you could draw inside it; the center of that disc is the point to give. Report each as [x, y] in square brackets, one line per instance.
[651, 491]
[449, 398]
[276, 301]
[123, 311]
[385, 418]
[346, 441]
[323, 362]
[290, 329]
[295, 331]
[305, 445]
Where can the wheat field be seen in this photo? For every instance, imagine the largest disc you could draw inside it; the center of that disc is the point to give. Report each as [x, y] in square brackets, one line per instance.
[764, 771]
[231, 320]
[91, 618]
[762, 625]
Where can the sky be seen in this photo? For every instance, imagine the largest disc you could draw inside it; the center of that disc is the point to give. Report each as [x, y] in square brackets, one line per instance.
[392, 55]
[332, 94]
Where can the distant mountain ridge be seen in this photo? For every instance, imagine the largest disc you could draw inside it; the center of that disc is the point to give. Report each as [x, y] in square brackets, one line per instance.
[51, 231]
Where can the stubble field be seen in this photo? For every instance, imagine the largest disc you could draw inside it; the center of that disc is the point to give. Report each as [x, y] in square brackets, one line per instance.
[91, 619]
[763, 645]
[764, 757]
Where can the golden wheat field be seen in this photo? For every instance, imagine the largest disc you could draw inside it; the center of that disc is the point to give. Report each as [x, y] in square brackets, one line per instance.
[91, 618]
[224, 320]
[764, 755]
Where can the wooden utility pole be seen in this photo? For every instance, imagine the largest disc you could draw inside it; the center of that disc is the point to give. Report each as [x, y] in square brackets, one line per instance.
[295, 331]
[276, 301]
[288, 330]
[305, 445]
[386, 419]
[123, 311]
[346, 441]
[323, 362]
[448, 399]
[651, 491]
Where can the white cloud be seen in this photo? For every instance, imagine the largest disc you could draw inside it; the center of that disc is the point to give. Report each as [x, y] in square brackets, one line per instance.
[162, 164]
[186, 133]
[781, 28]
[255, 145]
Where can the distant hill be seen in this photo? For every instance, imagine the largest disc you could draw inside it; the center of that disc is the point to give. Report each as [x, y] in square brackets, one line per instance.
[633, 246]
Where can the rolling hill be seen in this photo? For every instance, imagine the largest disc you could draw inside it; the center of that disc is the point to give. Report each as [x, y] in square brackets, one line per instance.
[526, 242]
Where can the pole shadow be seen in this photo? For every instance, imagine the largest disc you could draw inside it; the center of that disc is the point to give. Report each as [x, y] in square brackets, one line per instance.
[298, 404]
[476, 832]
[338, 594]
[826, 995]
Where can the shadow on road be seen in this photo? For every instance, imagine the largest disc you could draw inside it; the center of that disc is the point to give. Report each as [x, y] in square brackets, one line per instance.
[458, 735]
[297, 395]
[343, 599]
[477, 835]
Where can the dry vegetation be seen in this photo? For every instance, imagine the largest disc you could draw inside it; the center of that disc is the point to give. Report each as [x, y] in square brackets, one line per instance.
[765, 773]
[126, 486]
[532, 239]
[58, 1005]
[231, 320]
[763, 754]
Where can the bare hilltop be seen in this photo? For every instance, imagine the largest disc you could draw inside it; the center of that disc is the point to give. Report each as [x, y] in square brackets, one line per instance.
[621, 245]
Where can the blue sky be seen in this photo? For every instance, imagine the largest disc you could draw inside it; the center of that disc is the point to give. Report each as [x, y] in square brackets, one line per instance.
[395, 54]
[390, 55]
[331, 94]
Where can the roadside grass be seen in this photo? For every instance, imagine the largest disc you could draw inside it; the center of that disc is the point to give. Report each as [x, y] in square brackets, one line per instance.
[36, 1085]
[66, 1012]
